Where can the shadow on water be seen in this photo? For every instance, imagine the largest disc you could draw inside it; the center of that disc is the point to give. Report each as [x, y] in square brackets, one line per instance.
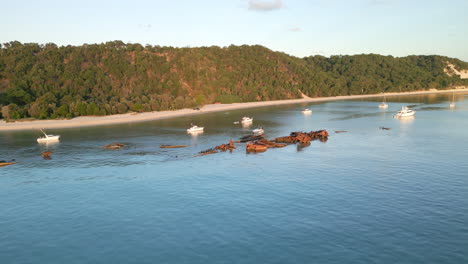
[348, 117]
[432, 108]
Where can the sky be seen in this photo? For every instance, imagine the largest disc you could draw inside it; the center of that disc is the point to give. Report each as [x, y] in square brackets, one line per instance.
[297, 27]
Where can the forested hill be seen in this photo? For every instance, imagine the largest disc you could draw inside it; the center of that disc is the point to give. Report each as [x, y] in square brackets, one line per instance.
[47, 81]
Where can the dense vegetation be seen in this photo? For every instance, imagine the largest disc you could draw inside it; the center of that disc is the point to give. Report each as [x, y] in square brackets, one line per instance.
[47, 81]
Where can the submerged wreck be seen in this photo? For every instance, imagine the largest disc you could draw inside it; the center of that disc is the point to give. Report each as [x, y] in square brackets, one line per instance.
[173, 146]
[4, 163]
[250, 138]
[223, 147]
[262, 145]
[303, 137]
[113, 146]
[258, 143]
[46, 154]
[206, 152]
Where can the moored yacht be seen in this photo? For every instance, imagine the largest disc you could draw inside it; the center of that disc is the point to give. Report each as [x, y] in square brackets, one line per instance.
[404, 112]
[258, 131]
[195, 128]
[47, 138]
[384, 104]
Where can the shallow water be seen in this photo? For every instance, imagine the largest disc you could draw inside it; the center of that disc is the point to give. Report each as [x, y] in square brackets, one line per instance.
[365, 196]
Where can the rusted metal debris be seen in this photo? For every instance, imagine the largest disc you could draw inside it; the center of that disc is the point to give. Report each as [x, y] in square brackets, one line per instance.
[46, 154]
[206, 152]
[303, 137]
[224, 147]
[250, 138]
[258, 143]
[253, 147]
[262, 145]
[4, 163]
[173, 146]
[113, 146]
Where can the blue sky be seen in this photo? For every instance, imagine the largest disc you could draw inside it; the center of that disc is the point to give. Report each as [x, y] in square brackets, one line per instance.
[297, 27]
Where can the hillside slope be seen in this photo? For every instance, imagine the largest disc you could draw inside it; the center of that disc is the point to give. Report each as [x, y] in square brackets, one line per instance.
[47, 81]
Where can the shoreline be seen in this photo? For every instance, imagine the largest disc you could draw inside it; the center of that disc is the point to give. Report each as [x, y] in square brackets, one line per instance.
[83, 121]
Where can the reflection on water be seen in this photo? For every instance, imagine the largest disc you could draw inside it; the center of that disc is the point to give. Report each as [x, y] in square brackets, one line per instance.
[354, 116]
[246, 124]
[406, 119]
[432, 108]
[195, 133]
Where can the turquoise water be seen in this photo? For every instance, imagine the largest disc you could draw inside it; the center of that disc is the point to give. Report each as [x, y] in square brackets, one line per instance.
[364, 196]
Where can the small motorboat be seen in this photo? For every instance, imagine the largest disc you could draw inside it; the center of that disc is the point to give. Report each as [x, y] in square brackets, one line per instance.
[48, 138]
[307, 111]
[383, 105]
[452, 103]
[258, 131]
[195, 129]
[404, 112]
[246, 119]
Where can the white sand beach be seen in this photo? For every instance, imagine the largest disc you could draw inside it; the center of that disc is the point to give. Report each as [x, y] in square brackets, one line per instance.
[147, 116]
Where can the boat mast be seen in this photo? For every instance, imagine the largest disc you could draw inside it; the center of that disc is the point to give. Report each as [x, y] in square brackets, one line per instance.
[43, 132]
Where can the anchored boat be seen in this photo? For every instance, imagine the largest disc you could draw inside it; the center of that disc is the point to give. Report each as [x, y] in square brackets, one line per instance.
[47, 138]
[246, 119]
[405, 112]
[384, 104]
[195, 128]
[258, 131]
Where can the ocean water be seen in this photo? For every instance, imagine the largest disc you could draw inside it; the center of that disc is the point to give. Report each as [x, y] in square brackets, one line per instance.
[365, 196]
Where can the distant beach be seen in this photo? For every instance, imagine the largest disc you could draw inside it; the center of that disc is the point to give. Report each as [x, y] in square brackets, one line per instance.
[148, 116]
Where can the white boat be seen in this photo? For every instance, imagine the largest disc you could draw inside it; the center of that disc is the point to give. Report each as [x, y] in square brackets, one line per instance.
[404, 112]
[383, 105]
[307, 111]
[48, 138]
[452, 103]
[258, 131]
[246, 119]
[194, 128]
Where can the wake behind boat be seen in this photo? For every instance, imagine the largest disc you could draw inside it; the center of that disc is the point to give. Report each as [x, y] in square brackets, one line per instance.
[404, 112]
[47, 138]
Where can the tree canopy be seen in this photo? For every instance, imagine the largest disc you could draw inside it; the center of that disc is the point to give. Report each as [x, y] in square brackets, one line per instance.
[48, 81]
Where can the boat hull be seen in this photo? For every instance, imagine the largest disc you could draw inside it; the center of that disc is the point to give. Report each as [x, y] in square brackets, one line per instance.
[405, 115]
[48, 139]
[194, 130]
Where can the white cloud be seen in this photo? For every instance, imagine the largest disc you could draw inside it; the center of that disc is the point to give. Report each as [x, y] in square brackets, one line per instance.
[260, 5]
